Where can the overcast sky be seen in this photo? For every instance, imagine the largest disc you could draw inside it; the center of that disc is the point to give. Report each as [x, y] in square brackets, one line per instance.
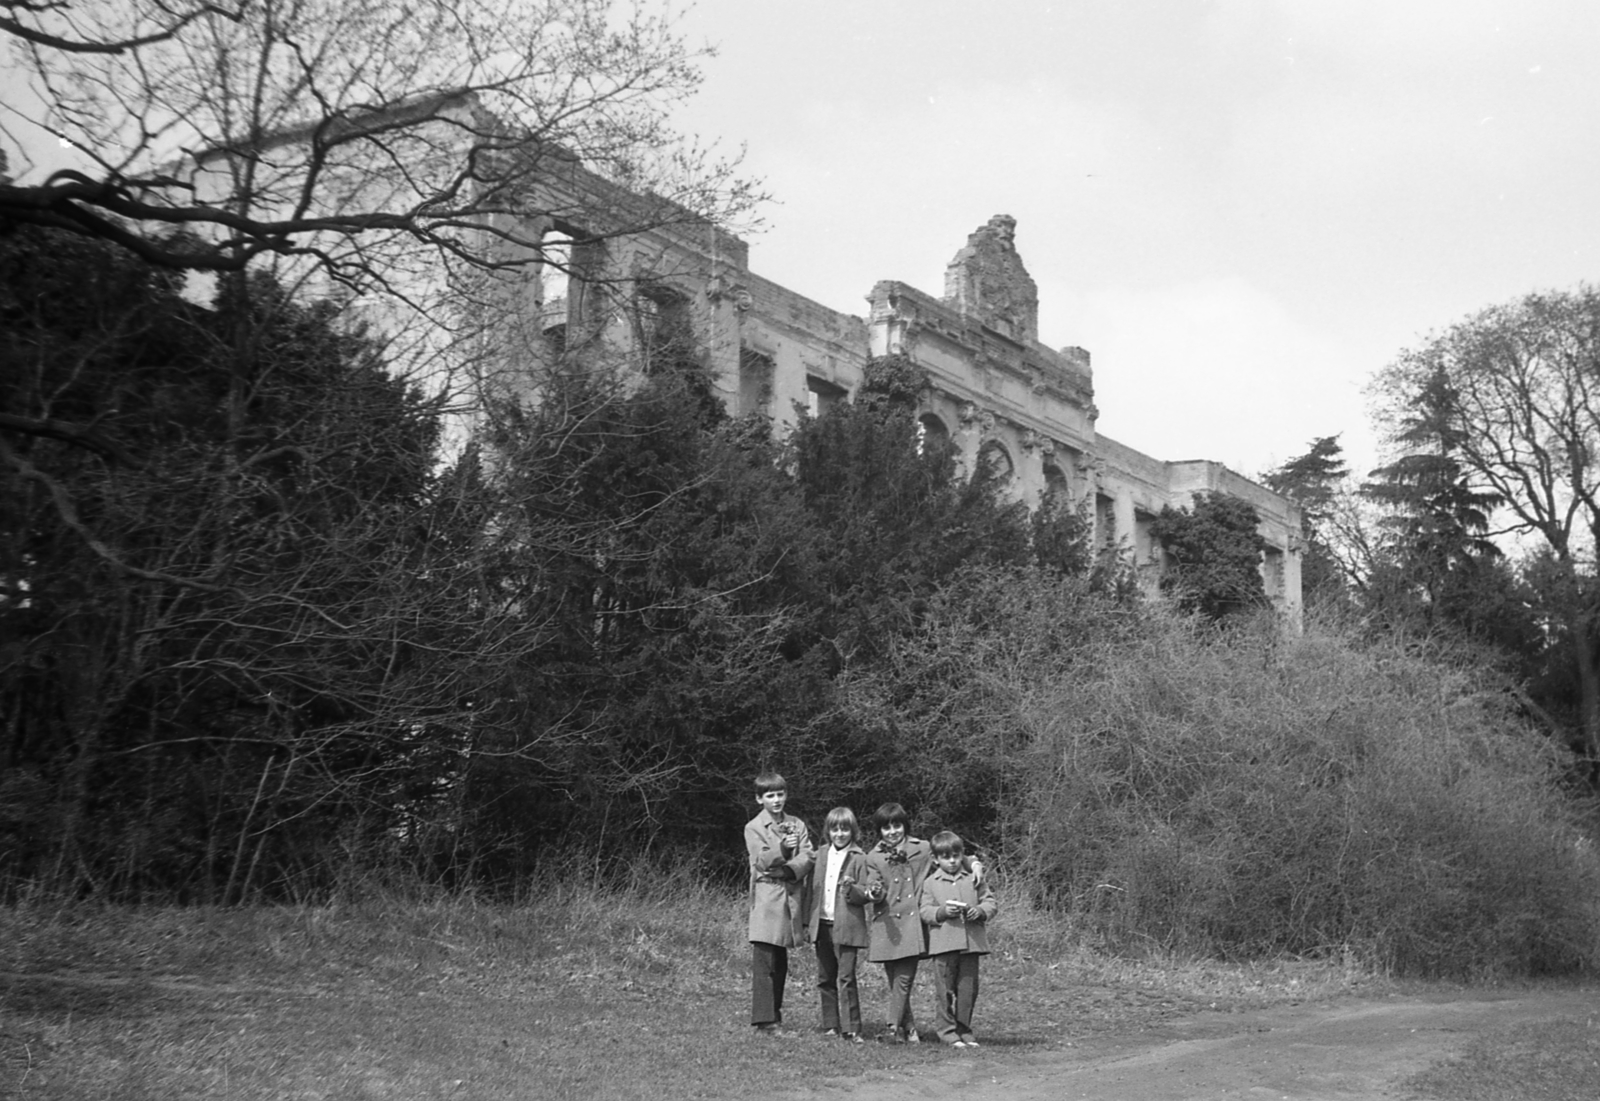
[1242, 208]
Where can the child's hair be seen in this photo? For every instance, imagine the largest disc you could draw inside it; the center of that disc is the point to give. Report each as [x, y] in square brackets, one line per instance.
[891, 814]
[945, 843]
[842, 816]
[770, 780]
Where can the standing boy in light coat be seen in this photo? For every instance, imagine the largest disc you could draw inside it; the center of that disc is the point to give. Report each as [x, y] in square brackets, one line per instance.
[956, 907]
[780, 856]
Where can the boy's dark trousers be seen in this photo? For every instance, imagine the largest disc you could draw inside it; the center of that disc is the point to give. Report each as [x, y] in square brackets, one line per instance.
[769, 971]
[957, 974]
[836, 974]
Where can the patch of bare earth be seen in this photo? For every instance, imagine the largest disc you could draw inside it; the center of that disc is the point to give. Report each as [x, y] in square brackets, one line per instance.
[1392, 1047]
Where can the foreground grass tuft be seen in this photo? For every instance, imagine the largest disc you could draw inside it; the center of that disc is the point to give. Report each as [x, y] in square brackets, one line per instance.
[580, 991]
[1539, 1061]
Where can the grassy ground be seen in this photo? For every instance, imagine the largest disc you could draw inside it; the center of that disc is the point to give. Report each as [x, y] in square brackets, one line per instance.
[583, 993]
[1550, 1061]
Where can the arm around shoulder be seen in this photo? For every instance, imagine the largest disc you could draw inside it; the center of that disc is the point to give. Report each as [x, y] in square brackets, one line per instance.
[988, 905]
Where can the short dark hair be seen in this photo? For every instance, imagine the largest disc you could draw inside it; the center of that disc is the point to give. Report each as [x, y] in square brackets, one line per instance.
[891, 814]
[770, 780]
[946, 843]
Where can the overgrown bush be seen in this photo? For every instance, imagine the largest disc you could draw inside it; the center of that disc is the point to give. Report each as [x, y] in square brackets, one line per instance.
[1242, 793]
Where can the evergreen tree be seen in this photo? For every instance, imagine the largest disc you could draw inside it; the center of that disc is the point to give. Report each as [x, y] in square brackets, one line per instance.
[1213, 555]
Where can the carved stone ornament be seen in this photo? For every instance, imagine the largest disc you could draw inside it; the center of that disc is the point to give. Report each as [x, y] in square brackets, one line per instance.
[742, 299]
[968, 412]
[1093, 411]
[1031, 440]
[986, 419]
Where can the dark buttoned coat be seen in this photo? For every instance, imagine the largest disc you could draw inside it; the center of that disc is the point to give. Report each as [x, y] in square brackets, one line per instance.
[849, 902]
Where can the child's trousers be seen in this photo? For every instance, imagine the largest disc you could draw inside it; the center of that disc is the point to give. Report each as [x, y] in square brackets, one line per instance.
[769, 971]
[901, 974]
[836, 979]
[957, 974]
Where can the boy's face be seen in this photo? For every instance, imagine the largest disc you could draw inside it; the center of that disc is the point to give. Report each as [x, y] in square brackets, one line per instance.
[894, 833]
[949, 865]
[773, 801]
[839, 835]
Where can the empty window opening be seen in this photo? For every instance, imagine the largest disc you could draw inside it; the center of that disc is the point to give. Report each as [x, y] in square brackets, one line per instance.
[1056, 484]
[995, 465]
[1105, 520]
[822, 395]
[755, 382]
[931, 433]
[1272, 572]
[662, 328]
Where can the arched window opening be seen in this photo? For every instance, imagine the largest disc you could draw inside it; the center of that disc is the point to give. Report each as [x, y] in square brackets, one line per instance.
[555, 266]
[931, 433]
[995, 465]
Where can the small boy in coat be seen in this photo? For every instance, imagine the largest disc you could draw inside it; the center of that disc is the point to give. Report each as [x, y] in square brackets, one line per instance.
[956, 908]
[838, 925]
[780, 856]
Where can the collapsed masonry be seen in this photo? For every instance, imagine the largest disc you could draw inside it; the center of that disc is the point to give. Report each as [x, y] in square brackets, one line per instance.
[1004, 399]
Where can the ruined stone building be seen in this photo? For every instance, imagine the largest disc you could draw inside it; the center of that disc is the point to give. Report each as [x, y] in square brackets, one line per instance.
[1000, 395]
[632, 272]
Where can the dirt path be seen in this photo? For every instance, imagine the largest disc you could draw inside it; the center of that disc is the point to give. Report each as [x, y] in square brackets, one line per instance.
[1342, 1051]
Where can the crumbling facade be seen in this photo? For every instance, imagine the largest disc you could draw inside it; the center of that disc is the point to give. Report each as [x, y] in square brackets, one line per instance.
[630, 272]
[1003, 398]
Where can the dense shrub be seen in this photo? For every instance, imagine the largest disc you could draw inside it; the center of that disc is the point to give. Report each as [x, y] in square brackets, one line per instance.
[1242, 793]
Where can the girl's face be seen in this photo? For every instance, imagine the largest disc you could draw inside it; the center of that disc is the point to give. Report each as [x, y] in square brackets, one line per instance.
[894, 833]
[839, 835]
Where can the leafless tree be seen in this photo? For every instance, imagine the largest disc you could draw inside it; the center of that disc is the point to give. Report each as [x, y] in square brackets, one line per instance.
[1524, 412]
[204, 136]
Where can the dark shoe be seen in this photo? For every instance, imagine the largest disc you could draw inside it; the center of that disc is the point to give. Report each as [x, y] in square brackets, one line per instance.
[892, 1036]
[970, 1040]
[912, 1037]
[772, 1028]
[852, 1037]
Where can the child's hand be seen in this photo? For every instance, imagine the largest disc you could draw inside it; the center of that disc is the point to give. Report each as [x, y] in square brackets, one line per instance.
[845, 880]
[879, 892]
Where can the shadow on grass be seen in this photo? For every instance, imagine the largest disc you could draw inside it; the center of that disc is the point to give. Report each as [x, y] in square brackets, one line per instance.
[56, 998]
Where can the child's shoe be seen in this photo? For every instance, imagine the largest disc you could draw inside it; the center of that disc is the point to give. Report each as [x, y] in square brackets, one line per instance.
[970, 1040]
[912, 1037]
[852, 1037]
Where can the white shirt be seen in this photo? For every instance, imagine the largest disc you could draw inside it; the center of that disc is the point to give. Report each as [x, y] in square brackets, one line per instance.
[830, 880]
